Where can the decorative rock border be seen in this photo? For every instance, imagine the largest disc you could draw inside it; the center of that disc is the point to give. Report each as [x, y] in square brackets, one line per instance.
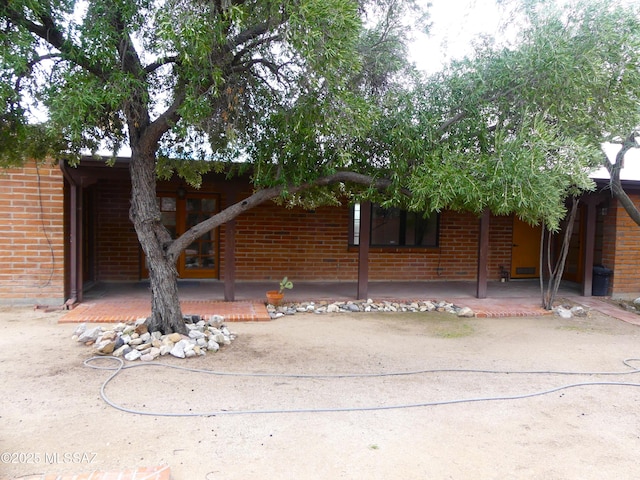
[567, 311]
[134, 341]
[368, 306]
[391, 306]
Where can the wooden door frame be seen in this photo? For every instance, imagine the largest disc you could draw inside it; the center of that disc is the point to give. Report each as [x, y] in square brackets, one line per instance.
[181, 219]
[512, 269]
[181, 212]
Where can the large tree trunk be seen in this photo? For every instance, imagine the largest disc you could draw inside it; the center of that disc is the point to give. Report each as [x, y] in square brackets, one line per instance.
[166, 315]
[555, 273]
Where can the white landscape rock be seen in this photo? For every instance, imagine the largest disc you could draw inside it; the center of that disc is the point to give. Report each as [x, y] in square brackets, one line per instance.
[367, 306]
[133, 355]
[178, 350]
[133, 342]
[563, 312]
[90, 335]
[466, 312]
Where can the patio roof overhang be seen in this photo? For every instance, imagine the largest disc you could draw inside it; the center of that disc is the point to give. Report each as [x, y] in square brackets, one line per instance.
[92, 169]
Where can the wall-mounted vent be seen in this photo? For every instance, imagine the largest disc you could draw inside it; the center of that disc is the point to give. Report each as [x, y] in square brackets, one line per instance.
[526, 270]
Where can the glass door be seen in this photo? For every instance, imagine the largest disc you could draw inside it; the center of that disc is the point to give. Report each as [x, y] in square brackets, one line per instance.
[200, 258]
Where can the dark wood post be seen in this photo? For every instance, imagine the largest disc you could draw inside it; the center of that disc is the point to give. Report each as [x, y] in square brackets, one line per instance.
[363, 250]
[483, 255]
[589, 246]
[75, 266]
[230, 253]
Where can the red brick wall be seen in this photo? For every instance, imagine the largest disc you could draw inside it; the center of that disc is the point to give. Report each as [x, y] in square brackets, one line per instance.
[500, 245]
[621, 250]
[272, 242]
[32, 240]
[118, 252]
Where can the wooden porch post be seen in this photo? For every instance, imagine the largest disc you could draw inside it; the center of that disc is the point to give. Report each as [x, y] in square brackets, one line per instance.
[483, 255]
[75, 252]
[363, 250]
[80, 218]
[230, 254]
[589, 245]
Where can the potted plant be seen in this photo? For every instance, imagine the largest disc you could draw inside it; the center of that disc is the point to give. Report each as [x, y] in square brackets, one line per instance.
[274, 297]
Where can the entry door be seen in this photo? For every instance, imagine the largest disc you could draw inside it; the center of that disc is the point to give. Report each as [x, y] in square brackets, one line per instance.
[200, 258]
[525, 250]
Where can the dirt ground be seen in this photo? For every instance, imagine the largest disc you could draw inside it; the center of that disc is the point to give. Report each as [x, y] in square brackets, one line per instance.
[53, 419]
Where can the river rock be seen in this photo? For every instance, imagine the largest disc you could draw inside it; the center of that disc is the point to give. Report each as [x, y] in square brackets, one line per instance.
[133, 355]
[141, 329]
[578, 311]
[174, 337]
[106, 347]
[90, 335]
[178, 349]
[166, 349]
[109, 335]
[352, 307]
[563, 312]
[195, 334]
[466, 312]
[119, 352]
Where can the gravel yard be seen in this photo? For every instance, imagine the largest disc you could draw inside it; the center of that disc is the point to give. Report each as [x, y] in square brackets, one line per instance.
[50, 402]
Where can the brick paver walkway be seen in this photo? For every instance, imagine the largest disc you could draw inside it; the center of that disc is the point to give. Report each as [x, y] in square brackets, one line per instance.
[129, 310]
[148, 473]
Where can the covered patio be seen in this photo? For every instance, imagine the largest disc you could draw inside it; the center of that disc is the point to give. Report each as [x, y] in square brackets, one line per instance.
[115, 302]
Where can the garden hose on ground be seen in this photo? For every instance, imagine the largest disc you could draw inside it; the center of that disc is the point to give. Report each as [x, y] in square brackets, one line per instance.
[117, 369]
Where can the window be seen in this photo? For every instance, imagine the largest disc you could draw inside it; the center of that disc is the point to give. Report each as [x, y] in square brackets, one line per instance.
[393, 227]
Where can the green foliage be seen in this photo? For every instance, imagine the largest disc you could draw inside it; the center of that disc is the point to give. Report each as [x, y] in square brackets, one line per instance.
[285, 283]
[516, 129]
[104, 71]
[294, 91]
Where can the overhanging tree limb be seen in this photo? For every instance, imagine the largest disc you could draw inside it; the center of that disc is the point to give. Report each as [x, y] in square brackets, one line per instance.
[615, 183]
[266, 194]
[53, 35]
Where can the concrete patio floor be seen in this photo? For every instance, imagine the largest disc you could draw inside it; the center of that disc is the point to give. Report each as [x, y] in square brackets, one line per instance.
[213, 290]
[126, 302]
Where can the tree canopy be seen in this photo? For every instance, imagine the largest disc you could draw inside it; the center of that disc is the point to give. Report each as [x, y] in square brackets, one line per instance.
[309, 94]
[517, 128]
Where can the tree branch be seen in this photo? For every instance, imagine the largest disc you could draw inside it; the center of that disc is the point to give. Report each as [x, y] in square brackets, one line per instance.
[254, 61]
[264, 195]
[252, 32]
[615, 182]
[152, 67]
[51, 34]
[253, 45]
[166, 120]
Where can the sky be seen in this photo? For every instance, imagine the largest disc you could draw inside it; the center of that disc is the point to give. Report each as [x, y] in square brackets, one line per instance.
[455, 23]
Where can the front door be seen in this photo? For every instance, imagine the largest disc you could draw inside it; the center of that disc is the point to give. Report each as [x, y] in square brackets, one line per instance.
[525, 250]
[179, 214]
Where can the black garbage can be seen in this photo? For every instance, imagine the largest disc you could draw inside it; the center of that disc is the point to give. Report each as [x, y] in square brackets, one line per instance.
[601, 276]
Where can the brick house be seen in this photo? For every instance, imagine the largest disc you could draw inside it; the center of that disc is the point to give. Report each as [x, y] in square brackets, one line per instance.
[67, 228]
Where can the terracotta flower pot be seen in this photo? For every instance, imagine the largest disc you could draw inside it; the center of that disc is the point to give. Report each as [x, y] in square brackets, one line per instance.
[274, 297]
